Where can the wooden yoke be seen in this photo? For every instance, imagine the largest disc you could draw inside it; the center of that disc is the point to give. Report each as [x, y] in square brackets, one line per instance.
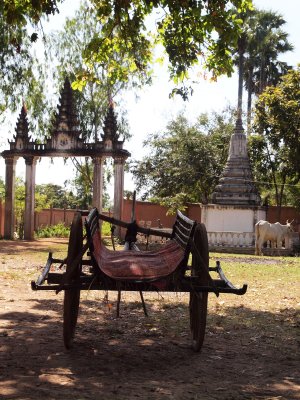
[140, 229]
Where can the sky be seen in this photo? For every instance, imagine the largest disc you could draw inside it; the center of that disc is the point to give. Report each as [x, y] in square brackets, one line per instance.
[150, 109]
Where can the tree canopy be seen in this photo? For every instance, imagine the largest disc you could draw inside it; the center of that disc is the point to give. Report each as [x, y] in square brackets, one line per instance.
[65, 48]
[263, 40]
[185, 161]
[276, 147]
[17, 13]
[16, 66]
[188, 31]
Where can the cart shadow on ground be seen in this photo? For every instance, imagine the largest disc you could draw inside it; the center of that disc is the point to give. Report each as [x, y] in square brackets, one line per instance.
[14, 247]
[247, 354]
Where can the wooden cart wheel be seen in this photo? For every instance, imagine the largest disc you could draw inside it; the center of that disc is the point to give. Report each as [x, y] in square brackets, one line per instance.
[198, 301]
[72, 296]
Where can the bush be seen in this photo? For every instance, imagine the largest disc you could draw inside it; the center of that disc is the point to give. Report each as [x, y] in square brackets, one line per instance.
[105, 231]
[48, 231]
[60, 230]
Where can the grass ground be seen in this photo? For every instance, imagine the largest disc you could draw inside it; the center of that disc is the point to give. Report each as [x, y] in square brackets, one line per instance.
[251, 348]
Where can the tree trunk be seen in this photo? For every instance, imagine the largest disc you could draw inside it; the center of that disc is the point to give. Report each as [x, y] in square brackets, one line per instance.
[241, 45]
[249, 102]
[262, 75]
[281, 198]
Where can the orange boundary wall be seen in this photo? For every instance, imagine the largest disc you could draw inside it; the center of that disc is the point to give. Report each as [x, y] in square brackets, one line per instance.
[149, 212]
[286, 214]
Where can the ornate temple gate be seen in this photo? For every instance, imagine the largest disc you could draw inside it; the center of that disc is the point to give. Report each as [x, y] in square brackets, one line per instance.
[64, 142]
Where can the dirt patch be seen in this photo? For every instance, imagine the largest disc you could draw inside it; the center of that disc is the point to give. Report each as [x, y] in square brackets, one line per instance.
[251, 349]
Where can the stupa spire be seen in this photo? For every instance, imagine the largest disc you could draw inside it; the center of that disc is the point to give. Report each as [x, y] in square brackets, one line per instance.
[110, 127]
[22, 127]
[67, 118]
[236, 186]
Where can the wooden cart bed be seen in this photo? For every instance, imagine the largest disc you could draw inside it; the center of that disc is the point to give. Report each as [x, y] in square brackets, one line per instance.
[141, 265]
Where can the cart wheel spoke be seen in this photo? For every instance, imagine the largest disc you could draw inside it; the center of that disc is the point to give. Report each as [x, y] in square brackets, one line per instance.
[72, 296]
[198, 300]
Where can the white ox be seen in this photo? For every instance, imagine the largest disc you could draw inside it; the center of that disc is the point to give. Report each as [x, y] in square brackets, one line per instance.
[275, 233]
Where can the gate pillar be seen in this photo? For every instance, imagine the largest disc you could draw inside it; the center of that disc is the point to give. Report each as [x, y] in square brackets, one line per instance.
[29, 198]
[118, 188]
[98, 183]
[10, 178]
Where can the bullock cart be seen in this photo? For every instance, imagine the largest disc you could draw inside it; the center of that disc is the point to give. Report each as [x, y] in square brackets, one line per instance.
[181, 264]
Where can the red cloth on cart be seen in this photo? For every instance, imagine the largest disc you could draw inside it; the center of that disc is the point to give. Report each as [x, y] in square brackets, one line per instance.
[137, 265]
